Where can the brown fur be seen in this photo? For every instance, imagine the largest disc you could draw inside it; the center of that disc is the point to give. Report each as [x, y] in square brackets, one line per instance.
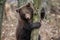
[23, 30]
[25, 25]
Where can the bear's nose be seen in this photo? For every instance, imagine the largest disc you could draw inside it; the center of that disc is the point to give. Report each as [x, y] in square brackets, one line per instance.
[28, 16]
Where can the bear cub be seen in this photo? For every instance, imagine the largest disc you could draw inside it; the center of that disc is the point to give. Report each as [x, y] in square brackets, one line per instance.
[25, 25]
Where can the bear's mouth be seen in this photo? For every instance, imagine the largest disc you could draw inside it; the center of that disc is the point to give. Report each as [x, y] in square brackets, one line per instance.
[28, 16]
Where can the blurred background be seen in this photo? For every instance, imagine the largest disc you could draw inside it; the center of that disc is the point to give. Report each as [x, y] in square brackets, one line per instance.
[50, 25]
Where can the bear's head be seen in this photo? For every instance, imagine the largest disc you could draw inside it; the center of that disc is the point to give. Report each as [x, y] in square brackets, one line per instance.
[25, 12]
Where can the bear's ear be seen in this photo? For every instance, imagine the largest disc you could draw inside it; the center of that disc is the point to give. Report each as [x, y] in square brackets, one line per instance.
[18, 10]
[28, 5]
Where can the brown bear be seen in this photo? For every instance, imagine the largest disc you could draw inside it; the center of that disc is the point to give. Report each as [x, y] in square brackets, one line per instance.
[25, 25]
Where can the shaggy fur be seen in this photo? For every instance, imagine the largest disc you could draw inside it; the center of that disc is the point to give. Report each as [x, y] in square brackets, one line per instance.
[25, 25]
